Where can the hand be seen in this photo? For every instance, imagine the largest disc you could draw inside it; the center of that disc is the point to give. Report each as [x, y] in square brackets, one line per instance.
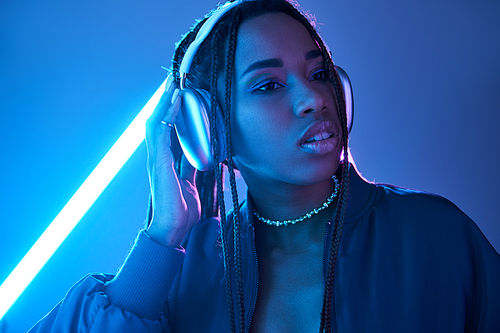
[176, 205]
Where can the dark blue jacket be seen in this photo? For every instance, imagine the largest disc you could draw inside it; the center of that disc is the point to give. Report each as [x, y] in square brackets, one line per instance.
[408, 262]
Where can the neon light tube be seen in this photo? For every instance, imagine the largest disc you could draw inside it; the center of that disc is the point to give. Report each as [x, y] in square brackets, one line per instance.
[71, 214]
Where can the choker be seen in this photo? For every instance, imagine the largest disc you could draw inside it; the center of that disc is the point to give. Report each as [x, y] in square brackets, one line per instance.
[306, 216]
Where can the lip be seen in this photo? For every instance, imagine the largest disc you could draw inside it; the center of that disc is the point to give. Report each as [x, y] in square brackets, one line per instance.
[323, 146]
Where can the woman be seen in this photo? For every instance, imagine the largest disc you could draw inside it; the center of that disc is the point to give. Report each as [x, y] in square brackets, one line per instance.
[314, 247]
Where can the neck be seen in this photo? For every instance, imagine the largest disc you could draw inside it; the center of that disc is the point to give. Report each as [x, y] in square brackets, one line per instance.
[296, 238]
[288, 203]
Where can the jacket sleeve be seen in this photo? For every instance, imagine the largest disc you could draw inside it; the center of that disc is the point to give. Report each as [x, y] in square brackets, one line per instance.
[132, 301]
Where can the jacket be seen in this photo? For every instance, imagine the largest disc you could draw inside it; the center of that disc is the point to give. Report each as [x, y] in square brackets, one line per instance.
[408, 261]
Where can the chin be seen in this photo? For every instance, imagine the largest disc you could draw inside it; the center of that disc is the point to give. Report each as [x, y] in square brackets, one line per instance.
[300, 171]
[313, 173]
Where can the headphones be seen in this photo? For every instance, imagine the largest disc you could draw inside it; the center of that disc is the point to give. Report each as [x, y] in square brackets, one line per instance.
[193, 125]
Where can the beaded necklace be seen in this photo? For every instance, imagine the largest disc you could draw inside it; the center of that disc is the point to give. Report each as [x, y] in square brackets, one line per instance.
[306, 216]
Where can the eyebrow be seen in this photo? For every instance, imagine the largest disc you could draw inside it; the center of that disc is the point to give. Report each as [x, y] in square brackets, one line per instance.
[263, 64]
[274, 62]
[313, 54]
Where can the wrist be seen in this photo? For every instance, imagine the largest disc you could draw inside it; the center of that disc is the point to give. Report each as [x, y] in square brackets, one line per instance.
[166, 236]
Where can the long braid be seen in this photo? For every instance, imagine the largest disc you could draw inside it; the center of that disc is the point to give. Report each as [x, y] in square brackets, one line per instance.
[231, 49]
[205, 183]
[338, 223]
[213, 74]
[340, 211]
[218, 172]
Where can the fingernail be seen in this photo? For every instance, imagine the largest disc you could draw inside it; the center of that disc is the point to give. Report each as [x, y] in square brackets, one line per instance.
[170, 80]
[174, 96]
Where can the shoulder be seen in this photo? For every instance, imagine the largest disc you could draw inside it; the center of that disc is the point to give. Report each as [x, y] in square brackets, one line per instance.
[386, 200]
[411, 201]
[432, 222]
[419, 215]
[422, 223]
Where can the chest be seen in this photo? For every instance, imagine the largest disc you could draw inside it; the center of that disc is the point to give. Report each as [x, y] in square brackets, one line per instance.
[290, 292]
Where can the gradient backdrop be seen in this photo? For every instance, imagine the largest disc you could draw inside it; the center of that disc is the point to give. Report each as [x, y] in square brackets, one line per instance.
[74, 74]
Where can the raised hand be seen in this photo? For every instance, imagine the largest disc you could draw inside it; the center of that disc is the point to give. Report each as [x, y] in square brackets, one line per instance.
[176, 206]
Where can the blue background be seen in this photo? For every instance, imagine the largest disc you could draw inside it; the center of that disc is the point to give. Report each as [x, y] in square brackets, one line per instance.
[73, 75]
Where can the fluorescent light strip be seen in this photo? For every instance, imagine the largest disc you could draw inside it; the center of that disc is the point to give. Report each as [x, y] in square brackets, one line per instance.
[77, 207]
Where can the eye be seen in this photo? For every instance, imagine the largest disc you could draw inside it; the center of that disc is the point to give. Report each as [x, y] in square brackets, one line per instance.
[320, 74]
[267, 85]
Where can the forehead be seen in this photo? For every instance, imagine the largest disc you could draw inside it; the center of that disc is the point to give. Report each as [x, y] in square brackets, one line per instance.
[273, 35]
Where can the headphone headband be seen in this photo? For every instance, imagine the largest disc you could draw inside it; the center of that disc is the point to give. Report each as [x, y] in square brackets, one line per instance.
[187, 60]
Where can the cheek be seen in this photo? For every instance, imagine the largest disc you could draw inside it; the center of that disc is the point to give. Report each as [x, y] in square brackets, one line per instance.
[246, 132]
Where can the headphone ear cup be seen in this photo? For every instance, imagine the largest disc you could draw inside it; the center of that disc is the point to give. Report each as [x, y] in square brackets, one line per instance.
[193, 129]
[348, 96]
[220, 127]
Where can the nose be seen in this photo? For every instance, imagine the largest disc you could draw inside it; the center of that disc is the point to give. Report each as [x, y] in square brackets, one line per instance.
[309, 98]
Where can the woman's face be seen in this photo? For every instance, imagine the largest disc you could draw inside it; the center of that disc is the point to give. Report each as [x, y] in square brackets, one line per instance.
[285, 126]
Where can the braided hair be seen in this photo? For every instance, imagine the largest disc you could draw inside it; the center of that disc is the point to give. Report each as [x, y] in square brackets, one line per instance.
[215, 60]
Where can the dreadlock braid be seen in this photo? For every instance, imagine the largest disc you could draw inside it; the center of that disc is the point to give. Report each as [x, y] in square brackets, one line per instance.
[341, 205]
[231, 49]
[336, 230]
[218, 172]
[205, 183]
[338, 221]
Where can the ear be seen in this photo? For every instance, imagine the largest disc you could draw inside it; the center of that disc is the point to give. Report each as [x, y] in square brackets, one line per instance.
[348, 96]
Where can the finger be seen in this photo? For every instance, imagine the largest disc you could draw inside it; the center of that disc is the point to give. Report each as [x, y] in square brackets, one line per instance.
[158, 134]
[175, 103]
[164, 100]
[167, 109]
[162, 106]
[158, 112]
[162, 136]
[169, 88]
[187, 171]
